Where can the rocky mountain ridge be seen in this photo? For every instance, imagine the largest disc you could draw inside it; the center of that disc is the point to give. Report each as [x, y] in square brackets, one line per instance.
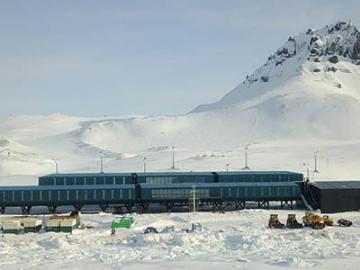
[327, 46]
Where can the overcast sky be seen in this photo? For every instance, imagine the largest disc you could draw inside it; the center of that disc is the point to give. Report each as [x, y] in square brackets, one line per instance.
[114, 58]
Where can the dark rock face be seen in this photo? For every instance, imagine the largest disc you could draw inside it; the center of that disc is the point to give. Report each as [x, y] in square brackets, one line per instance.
[340, 41]
[337, 27]
[334, 59]
[332, 69]
[313, 39]
[356, 49]
[264, 78]
[344, 41]
[313, 52]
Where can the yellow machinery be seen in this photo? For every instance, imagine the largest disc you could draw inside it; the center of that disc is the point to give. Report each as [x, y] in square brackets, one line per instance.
[274, 222]
[316, 221]
[328, 221]
[292, 223]
[312, 220]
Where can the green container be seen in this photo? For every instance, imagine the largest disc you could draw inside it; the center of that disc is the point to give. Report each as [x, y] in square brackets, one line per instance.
[66, 226]
[67, 229]
[62, 228]
[32, 229]
[53, 229]
[13, 231]
[124, 222]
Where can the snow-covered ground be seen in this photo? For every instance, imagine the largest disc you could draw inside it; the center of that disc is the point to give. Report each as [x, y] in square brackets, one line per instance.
[235, 240]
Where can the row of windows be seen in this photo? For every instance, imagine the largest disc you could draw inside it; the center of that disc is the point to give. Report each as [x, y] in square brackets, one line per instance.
[258, 191]
[85, 180]
[179, 193]
[61, 195]
[176, 179]
[165, 179]
[225, 192]
[259, 178]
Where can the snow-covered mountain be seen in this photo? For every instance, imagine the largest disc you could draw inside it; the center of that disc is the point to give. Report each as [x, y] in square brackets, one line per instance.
[303, 99]
[327, 58]
[308, 86]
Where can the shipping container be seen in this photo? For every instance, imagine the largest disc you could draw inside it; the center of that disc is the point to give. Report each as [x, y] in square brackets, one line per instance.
[68, 225]
[53, 225]
[31, 224]
[12, 226]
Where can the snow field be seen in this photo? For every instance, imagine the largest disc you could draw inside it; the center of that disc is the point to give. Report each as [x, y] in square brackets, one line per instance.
[241, 238]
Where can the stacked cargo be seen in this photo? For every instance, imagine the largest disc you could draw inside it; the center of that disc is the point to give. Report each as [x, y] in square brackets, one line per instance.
[68, 225]
[31, 224]
[12, 226]
[62, 223]
[53, 225]
[20, 224]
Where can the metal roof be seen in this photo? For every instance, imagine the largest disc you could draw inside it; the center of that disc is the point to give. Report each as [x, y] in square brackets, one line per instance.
[336, 184]
[174, 174]
[256, 172]
[86, 174]
[249, 172]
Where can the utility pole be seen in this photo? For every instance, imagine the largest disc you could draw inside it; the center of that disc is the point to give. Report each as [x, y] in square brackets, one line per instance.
[56, 166]
[101, 162]
[144, 164]
[194, 198]
[315, 161]
[246, 167]
[173, 157]
[306, 165]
